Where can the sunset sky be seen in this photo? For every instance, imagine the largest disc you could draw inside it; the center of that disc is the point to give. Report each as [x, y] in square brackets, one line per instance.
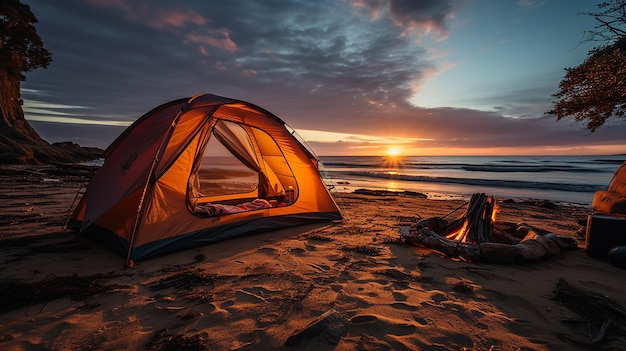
[353, 77]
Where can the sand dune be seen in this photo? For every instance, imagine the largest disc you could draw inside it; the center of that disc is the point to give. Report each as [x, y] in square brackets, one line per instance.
[349, 285]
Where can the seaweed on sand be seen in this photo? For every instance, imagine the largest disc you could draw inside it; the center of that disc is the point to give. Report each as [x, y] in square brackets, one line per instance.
[18, 294]
[602, 318]
[161, 341]
[186, 279]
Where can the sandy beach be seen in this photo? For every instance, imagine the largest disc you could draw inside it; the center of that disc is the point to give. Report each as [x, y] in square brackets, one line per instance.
[347, 285]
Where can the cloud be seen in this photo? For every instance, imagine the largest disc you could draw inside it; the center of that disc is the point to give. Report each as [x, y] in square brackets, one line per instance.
[496, 136]
[217, 38]
[144, 13]
[177, 19]
[319, 65]
[420, 17]
[174, 18]
[309, 50]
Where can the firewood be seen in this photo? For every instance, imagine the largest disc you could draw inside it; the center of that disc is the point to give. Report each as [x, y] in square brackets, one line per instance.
[475, 228]
[430, 239]
[487, 220]
[452, 230]
[427, 238]
[475, 236]
[564, 242]
[552, 249]
[530, 250]
[521, 230]
[495, 252]
[469, 252]
[436, 224]
[508, 227]
[502, 237]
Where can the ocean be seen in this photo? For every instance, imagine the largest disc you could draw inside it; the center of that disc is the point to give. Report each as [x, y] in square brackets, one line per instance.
[564, 179]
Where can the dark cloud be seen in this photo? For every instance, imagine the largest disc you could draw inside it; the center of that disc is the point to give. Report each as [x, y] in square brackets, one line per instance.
[320, 65]
[306, 50]
[425, 16]
[429, 15]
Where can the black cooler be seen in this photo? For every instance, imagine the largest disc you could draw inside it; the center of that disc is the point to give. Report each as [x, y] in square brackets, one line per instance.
[604, 232]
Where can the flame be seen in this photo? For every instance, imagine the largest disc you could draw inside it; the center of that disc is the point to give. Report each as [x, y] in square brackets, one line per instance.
[459, 234]
[495, 211]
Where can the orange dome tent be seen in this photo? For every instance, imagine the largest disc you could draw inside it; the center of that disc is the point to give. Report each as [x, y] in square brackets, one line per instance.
[198, 170]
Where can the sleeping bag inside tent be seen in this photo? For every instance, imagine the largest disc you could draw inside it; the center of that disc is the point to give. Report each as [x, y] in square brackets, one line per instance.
[199, 170]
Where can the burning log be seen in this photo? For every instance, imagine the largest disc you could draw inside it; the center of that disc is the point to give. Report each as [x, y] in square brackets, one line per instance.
[428, 238]
[475, 236]
[474, 226]
[502, 237]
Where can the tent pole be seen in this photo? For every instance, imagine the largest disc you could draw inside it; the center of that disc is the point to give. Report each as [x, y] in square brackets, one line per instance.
[151, 176]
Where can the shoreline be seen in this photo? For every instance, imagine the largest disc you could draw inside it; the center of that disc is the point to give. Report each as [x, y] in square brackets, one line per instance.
[263, 290]
[348, 186]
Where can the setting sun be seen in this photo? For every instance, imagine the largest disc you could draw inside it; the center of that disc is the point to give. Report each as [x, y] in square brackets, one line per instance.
[392, 151]
[392, 158]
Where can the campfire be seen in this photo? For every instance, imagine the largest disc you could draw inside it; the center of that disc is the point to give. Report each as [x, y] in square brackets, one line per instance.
[476, 236]
[475, 225]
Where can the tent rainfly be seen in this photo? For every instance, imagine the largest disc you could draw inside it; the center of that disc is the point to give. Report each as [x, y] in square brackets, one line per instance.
[198, 170]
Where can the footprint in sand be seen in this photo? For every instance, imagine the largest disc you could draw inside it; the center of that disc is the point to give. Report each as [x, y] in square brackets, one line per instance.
[399, 296]
[400, 303]
[336, 287]
[297, 251]
[420, 320]
[226, 304]
[439, 297]
[267, 250]
[400, 286]
[388, 325]
[404, 306]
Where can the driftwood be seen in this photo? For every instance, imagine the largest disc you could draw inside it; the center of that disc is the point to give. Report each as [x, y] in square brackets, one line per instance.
[601, 321]
[497, 252]
[475, 236]
[451, 248]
